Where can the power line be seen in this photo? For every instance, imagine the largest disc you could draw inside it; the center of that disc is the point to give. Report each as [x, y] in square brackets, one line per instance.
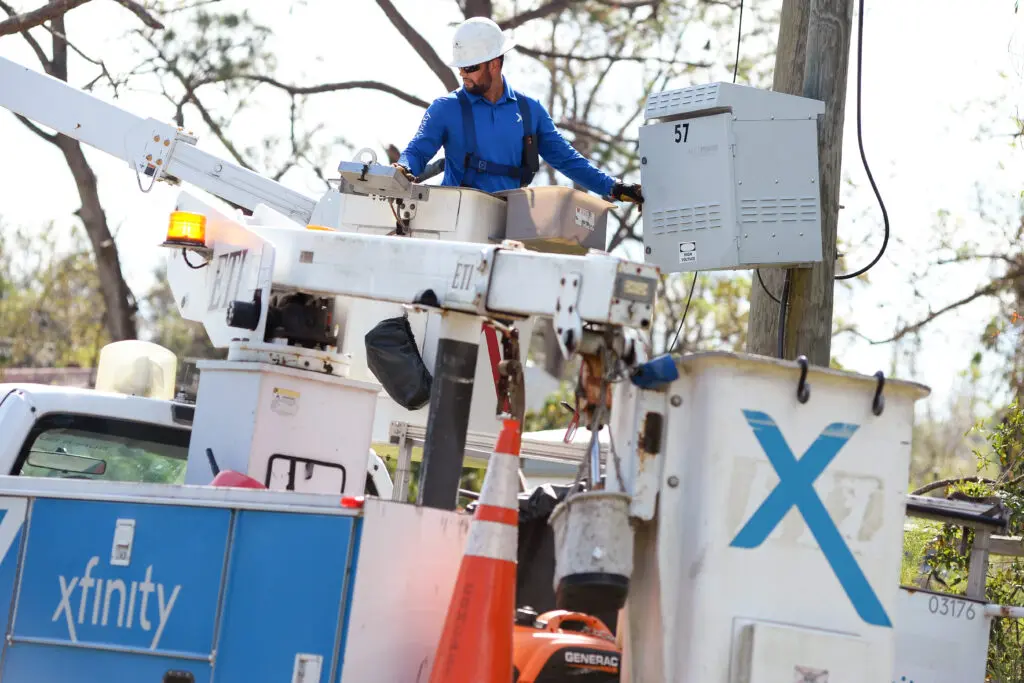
[863, 158]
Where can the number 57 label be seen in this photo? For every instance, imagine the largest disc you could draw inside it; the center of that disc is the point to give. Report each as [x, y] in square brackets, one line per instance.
[681, 132]
[953, 608]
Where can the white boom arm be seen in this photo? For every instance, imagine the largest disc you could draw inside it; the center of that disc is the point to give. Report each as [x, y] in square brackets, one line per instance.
[484, 280]
[152, 148]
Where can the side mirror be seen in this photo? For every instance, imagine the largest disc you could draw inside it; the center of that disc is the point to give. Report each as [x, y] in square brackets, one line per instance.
[62, 461]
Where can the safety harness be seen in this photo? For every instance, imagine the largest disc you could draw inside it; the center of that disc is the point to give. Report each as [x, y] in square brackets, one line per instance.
[530, 158]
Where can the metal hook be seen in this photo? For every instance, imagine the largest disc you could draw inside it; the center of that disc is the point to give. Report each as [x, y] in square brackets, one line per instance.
[803, 389]
[878, 404]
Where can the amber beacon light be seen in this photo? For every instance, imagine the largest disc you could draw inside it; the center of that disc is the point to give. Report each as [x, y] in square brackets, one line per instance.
[186, 229]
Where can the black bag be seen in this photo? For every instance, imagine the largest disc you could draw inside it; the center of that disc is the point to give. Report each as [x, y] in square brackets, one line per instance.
[393, 358]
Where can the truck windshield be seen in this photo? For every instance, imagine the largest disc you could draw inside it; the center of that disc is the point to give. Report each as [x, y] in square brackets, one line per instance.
[86, 447]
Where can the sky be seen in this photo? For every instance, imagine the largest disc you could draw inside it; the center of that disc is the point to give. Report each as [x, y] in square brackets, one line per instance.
[931, 71]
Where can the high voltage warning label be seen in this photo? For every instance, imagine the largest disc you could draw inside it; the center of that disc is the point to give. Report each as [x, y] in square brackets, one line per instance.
[687, 252]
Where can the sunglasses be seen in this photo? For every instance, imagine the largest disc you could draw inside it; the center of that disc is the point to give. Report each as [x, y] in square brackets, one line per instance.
[470, 69]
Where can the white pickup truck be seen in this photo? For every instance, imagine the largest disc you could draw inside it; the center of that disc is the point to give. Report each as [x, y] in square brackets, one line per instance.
[69, 432]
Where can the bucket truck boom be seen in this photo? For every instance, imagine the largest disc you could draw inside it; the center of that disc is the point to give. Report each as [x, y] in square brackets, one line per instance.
[153, 149]
[244, 276]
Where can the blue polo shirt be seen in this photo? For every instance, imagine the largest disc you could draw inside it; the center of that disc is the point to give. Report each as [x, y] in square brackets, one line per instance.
[499, 139]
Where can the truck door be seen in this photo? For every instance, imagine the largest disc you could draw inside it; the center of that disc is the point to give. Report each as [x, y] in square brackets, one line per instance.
[16, 420]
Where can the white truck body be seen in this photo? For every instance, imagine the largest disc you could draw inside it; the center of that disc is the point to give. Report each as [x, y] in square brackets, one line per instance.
[153, 434]
[754, 558]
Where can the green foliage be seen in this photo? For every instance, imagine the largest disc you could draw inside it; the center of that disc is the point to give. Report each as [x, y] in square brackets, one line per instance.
[163, 325]
[52, 313]
[1002, 479]
[552, 415]
[717, 317]
[916, 538]
[472, 477]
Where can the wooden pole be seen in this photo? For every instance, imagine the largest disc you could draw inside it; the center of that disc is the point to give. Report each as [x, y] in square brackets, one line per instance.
[822, 29]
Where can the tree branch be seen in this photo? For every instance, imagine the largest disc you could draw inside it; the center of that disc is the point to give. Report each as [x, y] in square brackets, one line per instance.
[619, 47]
[987, 290]
[43, 59]
[422, 47]
[218, 131]
[19, 23]
[190, 96]
[141, 12]
[927, 488]
[975, 257]
[330, 87]
[627, 229]
[104, 72]
[52, 139]
[186, 8]
[548, 8]
[59, 51]
[601, 136]
[477, 8]
[629, 4]
[546, 54]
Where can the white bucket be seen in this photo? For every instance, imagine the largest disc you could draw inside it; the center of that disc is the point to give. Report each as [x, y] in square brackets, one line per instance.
[593, 551]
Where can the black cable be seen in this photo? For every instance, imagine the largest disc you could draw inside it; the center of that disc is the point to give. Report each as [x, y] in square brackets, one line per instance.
[739, 39]
[184, 256]
[860, 143]
[685, 310]
[783, 311]
[765, 288]
[735, 70]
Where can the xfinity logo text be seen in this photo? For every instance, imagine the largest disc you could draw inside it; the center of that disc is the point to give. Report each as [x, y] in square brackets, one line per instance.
[132, 605]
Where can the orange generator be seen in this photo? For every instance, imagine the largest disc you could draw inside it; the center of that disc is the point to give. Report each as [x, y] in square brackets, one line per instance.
[561, 646]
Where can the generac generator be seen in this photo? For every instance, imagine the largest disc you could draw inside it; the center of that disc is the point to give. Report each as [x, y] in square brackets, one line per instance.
[560, 646]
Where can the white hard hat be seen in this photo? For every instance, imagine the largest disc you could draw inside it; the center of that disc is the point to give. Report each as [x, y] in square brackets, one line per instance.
[478, 40]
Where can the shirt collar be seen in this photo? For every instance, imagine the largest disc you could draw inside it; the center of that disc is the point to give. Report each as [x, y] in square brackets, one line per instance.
[509, 94]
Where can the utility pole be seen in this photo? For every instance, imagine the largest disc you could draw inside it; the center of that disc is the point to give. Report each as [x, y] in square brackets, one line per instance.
[812, 60]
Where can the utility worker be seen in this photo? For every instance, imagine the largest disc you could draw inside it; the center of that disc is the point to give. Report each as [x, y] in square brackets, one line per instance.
[492, 135]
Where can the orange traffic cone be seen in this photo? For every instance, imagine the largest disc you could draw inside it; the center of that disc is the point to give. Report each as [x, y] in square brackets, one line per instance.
[476, 643]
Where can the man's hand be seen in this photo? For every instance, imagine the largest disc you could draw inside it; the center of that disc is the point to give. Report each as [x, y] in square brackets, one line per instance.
[406, 172]
[628, 193]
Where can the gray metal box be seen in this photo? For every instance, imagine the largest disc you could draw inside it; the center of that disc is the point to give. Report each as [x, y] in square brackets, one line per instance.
[730, 178]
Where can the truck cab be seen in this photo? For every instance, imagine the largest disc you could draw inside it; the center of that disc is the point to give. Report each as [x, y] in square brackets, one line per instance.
[75, 433]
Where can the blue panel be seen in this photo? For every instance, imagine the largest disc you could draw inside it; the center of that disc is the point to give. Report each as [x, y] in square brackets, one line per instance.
[8, 573]
[283, 596]
[13, 511]
[350, 588]
[45, 663]
[165, 600]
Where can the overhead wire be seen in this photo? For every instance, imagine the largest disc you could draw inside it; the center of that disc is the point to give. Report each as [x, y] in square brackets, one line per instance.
[863, 157]
[696, 273]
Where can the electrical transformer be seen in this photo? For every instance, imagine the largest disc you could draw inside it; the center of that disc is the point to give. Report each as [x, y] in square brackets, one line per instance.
[730, 178]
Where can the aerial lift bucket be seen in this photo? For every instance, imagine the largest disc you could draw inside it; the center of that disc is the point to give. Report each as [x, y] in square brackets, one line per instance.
[593, 551]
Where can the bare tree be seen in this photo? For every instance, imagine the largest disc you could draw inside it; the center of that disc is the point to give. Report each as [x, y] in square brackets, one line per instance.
[20, 23]
[120, 304]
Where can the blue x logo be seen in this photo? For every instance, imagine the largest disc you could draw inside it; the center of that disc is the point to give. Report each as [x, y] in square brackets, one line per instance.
[796, 487]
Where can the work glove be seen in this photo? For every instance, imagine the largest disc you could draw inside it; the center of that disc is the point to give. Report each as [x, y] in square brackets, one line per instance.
[406, 172]
[628, 193]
